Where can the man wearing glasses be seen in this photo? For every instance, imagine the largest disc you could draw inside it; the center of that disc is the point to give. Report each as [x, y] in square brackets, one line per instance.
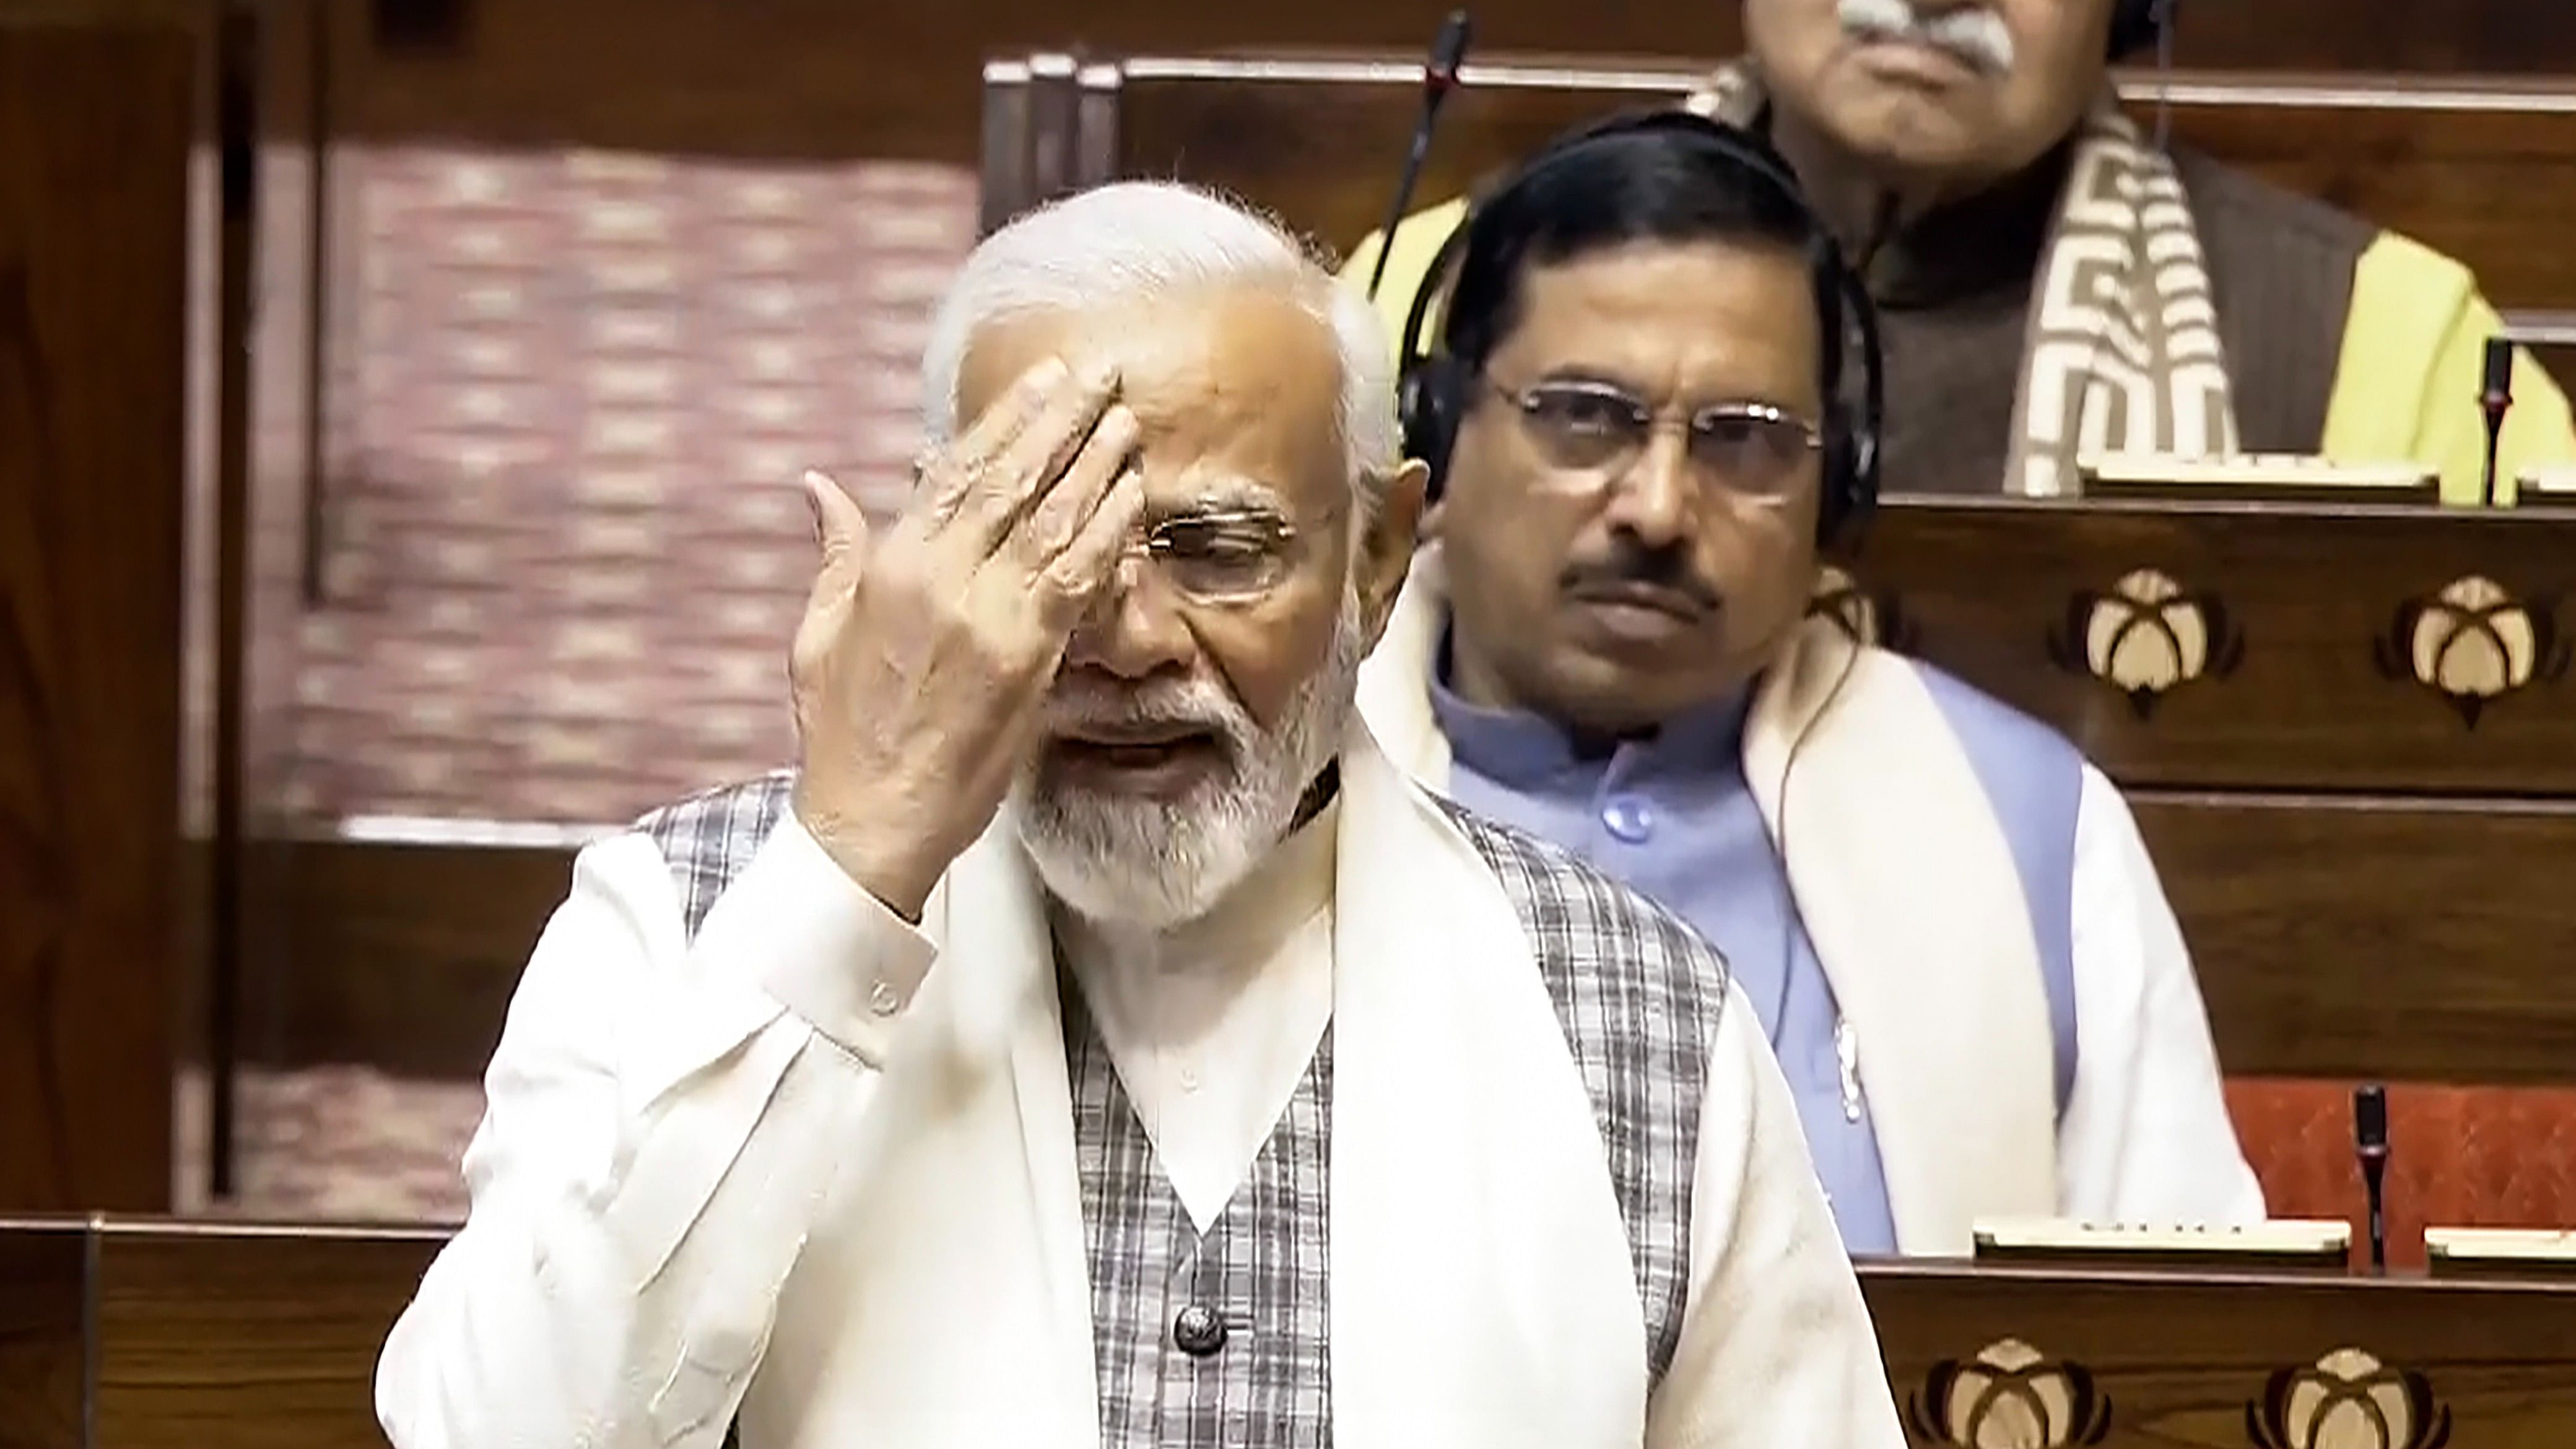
[1097, 1040]
[1940, 913]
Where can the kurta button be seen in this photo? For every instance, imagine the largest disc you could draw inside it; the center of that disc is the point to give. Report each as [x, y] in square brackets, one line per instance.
[1197, 1331]
[884, 1000]
[1629, 817]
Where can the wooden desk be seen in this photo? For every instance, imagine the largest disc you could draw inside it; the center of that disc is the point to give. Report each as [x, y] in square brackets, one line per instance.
[2174, 1359]
[170, 1335]
[222, 1337]
[2294, 633]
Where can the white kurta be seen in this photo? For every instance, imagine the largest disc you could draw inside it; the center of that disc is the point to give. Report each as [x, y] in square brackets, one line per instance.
[679, 1129]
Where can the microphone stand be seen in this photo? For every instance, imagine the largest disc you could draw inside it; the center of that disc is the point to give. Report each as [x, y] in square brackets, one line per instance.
[2493, 400]
[2370, 1145]
[1439, 78]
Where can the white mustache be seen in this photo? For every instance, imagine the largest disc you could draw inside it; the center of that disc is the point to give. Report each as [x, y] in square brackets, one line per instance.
[1974, 34]
[1192, 704]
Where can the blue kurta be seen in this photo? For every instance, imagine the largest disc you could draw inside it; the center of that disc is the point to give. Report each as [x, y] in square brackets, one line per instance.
[1672, 816]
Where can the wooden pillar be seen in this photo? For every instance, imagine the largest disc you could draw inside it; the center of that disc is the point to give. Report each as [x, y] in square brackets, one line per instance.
[96, 121]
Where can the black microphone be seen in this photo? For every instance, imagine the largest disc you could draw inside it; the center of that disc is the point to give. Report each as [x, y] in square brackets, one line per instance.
[2370, 1144]
[2493, 399]
[1439, 78]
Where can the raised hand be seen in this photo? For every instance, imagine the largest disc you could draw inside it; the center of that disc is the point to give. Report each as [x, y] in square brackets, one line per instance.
[923, 654]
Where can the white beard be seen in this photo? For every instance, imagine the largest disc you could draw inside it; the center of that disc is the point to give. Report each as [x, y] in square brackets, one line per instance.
[1147, 864]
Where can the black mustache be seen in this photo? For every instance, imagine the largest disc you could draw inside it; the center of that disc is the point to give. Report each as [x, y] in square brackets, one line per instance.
[1630, 569]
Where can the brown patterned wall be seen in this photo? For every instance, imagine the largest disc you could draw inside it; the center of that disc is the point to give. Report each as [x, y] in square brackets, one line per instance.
[574, 393]
[568, 397]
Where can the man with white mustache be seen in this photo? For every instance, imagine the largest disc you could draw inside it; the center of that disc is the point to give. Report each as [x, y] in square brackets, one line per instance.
[1096, 1039]
[2055, 286]
[1973, 35]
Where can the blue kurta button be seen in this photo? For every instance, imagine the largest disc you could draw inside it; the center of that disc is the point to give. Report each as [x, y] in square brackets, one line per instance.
[1629, 818]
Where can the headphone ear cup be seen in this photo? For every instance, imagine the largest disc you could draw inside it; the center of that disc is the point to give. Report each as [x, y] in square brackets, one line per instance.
[1833, 491]
[1849, 485]
[1427, 400]
[2135, 25]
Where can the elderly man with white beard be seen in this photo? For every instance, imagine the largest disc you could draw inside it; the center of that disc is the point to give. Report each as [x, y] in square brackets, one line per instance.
[1095, 1039]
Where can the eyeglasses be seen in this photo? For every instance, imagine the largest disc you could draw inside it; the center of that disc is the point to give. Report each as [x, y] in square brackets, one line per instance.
[1591, 431]
[1221, 556]
[1229, 555]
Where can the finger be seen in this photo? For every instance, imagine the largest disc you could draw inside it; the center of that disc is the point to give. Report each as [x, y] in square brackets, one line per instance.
[1056, 519]
[843, 531]
[838, 518]
[1067, 586]
[1033, 462]
[1002, 421]
[949, 475]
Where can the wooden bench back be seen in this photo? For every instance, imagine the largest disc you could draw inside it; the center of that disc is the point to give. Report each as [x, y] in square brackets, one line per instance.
[2349, 734]
[2483, 170]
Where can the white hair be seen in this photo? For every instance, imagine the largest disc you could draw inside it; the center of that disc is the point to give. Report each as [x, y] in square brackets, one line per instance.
[1139, 240]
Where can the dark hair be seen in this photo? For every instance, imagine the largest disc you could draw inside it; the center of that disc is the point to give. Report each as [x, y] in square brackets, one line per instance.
[1660, 185]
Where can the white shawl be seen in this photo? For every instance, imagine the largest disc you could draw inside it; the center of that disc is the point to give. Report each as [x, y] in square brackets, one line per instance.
[1908, 891]
[1482, 1288]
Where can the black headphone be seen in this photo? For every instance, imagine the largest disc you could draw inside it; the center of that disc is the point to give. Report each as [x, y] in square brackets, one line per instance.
[1433, 388]
[2138, 25]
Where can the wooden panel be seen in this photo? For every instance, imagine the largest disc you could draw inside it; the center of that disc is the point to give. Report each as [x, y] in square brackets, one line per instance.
[2300, 607]
[2335, 937]
[232, 1338]
[399, 956]
[2356, 938]
[2486, 173]
[2180, 1360]
[95, 124]
[222, 1337]
[811, 78]
[40, 1335]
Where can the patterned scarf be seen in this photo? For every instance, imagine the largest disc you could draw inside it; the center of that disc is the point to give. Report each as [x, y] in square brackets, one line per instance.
[2122, 352]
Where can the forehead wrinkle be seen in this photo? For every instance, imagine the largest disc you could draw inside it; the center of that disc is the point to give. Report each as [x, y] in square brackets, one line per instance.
[1234, 380]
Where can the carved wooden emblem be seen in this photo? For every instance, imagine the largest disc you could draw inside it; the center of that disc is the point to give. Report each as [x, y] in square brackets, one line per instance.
[2145, 636]
[1866, 615]
[2473, 642]
[2348, 1400]
[2009, 1397]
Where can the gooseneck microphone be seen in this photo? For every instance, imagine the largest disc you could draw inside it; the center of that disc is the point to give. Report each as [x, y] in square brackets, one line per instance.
[2370, 1144]
[2495, 395]
[1439, 78]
